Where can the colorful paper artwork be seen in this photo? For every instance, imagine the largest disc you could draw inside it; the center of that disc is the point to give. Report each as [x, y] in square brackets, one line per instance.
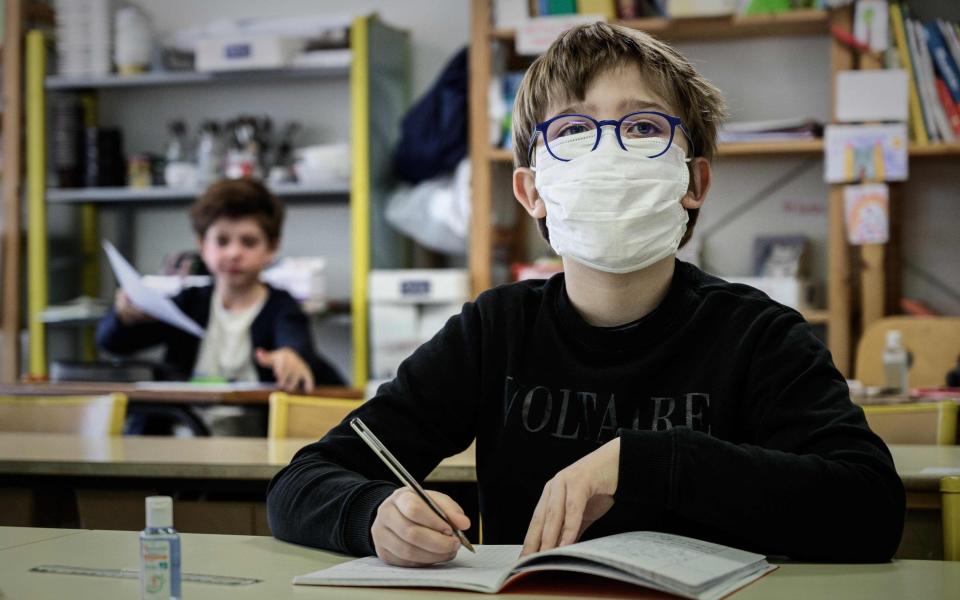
[866, 153]
[867, 213]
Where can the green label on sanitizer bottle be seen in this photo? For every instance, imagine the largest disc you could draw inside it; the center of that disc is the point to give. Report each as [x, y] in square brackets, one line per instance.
[155, 569]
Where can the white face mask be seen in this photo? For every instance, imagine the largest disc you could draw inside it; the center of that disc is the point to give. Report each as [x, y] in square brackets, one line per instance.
[612, 210]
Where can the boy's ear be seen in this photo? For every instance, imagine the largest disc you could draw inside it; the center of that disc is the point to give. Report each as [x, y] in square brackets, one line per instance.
[200, 244]
[700, 179]
[526, 193]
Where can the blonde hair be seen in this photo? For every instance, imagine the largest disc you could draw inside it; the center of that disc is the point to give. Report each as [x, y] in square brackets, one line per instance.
[580, 53]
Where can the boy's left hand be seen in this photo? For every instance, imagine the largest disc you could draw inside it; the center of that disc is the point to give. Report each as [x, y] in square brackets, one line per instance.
[575, 498]
[289, 369]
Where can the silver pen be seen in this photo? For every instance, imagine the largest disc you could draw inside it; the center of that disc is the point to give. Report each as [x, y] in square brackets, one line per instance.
[405, 478]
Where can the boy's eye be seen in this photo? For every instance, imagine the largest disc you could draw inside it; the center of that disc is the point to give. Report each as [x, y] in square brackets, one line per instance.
[645, 126]
[222, 241]
[568, 126]
[249, 242]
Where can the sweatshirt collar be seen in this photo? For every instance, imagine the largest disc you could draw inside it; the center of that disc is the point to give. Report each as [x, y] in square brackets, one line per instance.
[655, 325]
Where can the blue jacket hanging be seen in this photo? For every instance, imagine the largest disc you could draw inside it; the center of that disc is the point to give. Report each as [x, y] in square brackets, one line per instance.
[433, 133]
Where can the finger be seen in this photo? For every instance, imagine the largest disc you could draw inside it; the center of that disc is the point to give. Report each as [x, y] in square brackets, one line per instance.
[425, 543]
[414, 509]
[531, 543]
[450, 508]
[290, 380]
[308, 381]
[408, 555]
[576, 504]
[391, 559]
[264, 358]
[553, 517]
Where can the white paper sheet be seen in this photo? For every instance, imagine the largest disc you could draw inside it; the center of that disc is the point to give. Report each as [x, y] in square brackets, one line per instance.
[148, 300]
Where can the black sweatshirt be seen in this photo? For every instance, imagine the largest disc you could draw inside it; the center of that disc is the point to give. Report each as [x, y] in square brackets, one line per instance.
[280, 323]
[734, 425]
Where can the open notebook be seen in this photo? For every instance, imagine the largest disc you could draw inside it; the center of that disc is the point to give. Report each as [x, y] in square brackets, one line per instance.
[661, 561]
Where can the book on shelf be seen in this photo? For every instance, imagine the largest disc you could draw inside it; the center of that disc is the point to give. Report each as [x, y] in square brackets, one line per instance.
[661, 561]
[918, 128]
[944, 131]
[930, 53]
[944, 65]
[771, 130]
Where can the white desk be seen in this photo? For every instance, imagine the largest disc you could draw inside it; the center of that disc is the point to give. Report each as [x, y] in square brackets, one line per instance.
[276, 563]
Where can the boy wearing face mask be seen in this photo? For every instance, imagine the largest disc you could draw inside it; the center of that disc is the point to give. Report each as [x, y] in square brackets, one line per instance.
[631, 392]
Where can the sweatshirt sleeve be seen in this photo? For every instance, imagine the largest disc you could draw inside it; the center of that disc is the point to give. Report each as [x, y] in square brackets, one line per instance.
[328, 495]
[812, 483]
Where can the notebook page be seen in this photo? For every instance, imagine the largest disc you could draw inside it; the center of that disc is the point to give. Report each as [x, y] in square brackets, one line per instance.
[483, 571]
[664, 557]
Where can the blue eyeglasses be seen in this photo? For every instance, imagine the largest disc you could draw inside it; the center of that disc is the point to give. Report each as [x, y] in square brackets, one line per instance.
[567, 136]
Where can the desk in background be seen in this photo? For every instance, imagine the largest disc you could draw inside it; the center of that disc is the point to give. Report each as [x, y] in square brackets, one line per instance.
[276, 562]
[173, 398]
[222, 481]
[167, 392]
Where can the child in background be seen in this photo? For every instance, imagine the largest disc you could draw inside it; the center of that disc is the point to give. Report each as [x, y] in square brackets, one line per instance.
[630, 392]
[253, 331]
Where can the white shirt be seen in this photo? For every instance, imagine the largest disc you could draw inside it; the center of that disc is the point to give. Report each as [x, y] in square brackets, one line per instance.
[226, 350]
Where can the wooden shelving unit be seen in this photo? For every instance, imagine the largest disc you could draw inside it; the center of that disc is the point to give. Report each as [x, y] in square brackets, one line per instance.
[796, 23]
[378, 78]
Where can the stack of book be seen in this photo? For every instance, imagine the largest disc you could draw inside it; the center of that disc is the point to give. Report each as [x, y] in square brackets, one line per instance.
[777, 130]
[930, 53]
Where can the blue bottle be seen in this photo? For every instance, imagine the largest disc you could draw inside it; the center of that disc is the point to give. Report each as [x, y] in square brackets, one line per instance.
[159, 552]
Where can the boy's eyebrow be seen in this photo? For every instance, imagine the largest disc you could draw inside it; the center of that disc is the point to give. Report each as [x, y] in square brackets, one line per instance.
[634, 104]
[625, 106]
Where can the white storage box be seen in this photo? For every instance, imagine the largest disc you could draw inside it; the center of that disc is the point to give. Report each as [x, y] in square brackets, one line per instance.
[790, 291]
[419, 285]
[246, 53]
[407, 308]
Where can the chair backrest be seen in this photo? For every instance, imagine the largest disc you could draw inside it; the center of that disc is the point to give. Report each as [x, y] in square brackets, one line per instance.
[950, 500]
[84, 415]
[933, 342]
[306, 416]
[915, 423]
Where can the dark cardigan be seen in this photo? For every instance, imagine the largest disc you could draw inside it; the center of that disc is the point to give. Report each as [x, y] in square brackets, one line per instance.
[279, 324]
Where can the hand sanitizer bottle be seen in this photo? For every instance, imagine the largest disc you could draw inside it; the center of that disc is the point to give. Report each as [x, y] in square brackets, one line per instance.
[895, 364]
[159, 552]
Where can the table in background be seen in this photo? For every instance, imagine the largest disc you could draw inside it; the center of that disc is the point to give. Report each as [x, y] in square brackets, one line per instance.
[276, 563]
[173, 399]
[175, 393]
[220, 483]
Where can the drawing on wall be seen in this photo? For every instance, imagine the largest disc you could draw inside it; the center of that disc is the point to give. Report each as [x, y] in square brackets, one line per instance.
[867, 213]
[866, 153]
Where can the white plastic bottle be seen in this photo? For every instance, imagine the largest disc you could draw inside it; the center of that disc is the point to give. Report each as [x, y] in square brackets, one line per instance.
[895, 364]
[159, 552]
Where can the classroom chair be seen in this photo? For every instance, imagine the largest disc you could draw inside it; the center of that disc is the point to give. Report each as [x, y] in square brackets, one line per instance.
[950, 496]
[932, 423]
[933, 342]
[83, 415]
[91, 416]
[306, 416]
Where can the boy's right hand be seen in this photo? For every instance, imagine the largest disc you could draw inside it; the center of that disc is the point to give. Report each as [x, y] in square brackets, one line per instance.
[127, 312]
[407, 533]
